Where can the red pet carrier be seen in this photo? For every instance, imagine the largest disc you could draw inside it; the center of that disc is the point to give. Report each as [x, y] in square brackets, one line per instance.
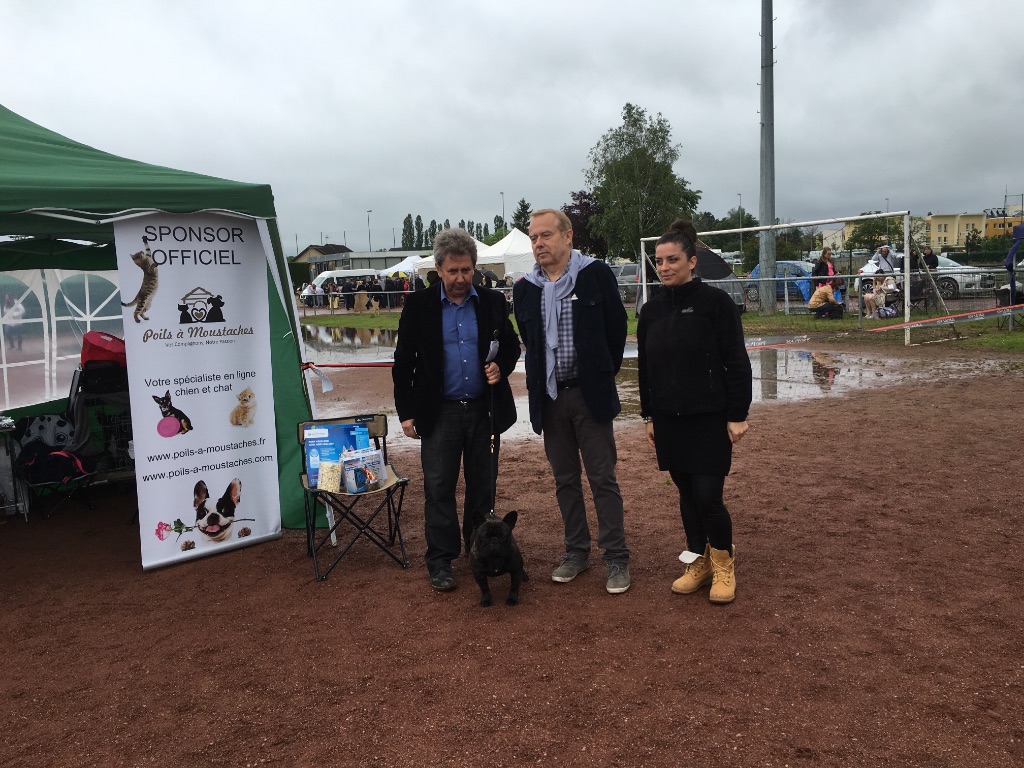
[102, 346]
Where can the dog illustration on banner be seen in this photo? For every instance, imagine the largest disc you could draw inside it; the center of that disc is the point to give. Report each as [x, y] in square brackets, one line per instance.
[215, 525]
[174, 421]
[201, 306]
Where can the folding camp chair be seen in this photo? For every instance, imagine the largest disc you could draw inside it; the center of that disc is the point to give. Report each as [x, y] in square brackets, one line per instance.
[360, 510]
[1003, 300]
[920, 294]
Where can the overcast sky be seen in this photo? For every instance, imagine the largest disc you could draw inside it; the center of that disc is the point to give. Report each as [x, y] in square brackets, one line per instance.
[436, 108]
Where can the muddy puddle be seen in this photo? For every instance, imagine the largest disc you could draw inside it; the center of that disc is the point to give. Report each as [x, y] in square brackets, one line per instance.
[781, 374]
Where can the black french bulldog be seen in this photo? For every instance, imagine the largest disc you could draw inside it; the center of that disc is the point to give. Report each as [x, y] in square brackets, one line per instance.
[494, 552]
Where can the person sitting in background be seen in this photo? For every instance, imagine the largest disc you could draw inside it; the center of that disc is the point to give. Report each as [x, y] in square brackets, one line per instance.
[875, 299]
[823, 302]
[873, 296]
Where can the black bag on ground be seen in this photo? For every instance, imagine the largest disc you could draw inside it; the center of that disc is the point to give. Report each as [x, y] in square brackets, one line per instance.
[40, 464]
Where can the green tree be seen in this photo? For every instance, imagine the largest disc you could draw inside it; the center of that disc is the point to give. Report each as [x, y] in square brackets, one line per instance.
[447, 224]
[408, 237]
[993, 250]
[486, 232]
[787, 244]
[972, 244]
[869, 234]
[499, 226]
[431, 233]
[873, 233]
[581, 212]
[632, 178]
[478, 232]
[521, 216]
[419, 231]
[462, 223]
[705, 221]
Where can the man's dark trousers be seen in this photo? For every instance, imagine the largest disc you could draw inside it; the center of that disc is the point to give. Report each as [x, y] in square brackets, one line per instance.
[462, 435]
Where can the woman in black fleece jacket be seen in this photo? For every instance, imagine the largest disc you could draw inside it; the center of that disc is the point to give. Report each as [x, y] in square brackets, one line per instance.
[695, 391]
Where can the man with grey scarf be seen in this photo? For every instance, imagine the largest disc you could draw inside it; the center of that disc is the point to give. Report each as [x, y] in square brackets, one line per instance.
[573, 325]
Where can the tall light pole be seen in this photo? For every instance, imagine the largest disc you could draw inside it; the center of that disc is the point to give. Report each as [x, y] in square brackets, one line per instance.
[368, 238]
[741, 224]
[504, 227]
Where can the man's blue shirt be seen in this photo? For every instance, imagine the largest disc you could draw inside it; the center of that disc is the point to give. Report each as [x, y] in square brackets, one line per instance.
[463, 370]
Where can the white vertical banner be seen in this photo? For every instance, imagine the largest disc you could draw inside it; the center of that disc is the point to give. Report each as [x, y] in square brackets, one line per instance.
[197, 335]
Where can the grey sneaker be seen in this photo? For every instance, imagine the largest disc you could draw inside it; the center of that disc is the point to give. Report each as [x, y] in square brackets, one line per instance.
[618, 578]
[570, 567]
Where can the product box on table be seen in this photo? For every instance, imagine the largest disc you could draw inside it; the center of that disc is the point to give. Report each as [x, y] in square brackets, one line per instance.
[364, 471]
[331, 442]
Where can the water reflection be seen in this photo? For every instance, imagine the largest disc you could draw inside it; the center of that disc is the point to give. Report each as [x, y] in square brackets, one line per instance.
[341, 345]
[782, 374]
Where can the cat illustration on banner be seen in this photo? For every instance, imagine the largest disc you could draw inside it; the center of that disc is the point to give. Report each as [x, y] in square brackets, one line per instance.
[143, 300]
[243, 414]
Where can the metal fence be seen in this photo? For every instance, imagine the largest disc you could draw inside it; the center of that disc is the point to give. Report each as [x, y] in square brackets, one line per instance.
[955, 292]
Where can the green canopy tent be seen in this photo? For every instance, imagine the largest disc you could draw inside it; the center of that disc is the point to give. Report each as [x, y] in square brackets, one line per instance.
[55, 190]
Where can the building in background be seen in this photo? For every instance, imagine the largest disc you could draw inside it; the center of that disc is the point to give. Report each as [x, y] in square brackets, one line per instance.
[949, 231]
[1001, 221]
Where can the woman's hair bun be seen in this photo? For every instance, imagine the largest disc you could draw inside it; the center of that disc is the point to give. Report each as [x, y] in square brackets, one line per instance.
[685, 226]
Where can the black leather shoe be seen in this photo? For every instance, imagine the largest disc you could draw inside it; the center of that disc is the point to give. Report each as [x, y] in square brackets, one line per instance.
[442, 580]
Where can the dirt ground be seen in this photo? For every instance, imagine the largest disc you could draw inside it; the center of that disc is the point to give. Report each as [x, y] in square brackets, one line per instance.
[878, 618]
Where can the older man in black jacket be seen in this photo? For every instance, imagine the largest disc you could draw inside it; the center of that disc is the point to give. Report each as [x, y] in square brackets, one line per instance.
[573, 324]
[456, 348]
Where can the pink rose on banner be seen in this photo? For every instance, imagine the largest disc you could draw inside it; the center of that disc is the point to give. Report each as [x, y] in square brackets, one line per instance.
[164, 530]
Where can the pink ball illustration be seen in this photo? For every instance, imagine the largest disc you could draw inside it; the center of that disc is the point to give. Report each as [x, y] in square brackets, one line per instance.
[168, 426]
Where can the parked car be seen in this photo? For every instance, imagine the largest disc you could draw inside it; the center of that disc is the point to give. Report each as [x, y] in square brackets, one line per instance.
[627, 275]
[728, 283]
[951, 278]
[734, 288]
[731, 285]
[1018, 272]
[792, 270]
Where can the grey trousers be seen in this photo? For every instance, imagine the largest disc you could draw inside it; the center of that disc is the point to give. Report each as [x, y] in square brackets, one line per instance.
[569, 434]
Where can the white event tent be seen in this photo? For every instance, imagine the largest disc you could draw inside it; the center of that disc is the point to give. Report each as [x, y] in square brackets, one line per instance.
[513, 253]
[407, 265]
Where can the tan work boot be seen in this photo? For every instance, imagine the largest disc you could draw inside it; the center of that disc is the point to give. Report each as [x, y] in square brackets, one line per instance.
[723, 583]
[698, 572]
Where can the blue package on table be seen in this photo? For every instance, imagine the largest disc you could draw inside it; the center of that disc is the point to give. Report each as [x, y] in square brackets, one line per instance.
[331, 442]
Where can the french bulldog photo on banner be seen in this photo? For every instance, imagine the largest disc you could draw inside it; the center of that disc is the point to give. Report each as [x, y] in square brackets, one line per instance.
[197, 334]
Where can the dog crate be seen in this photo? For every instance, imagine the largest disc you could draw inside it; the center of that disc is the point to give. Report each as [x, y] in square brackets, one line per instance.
[101, 409]
[110, 437]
